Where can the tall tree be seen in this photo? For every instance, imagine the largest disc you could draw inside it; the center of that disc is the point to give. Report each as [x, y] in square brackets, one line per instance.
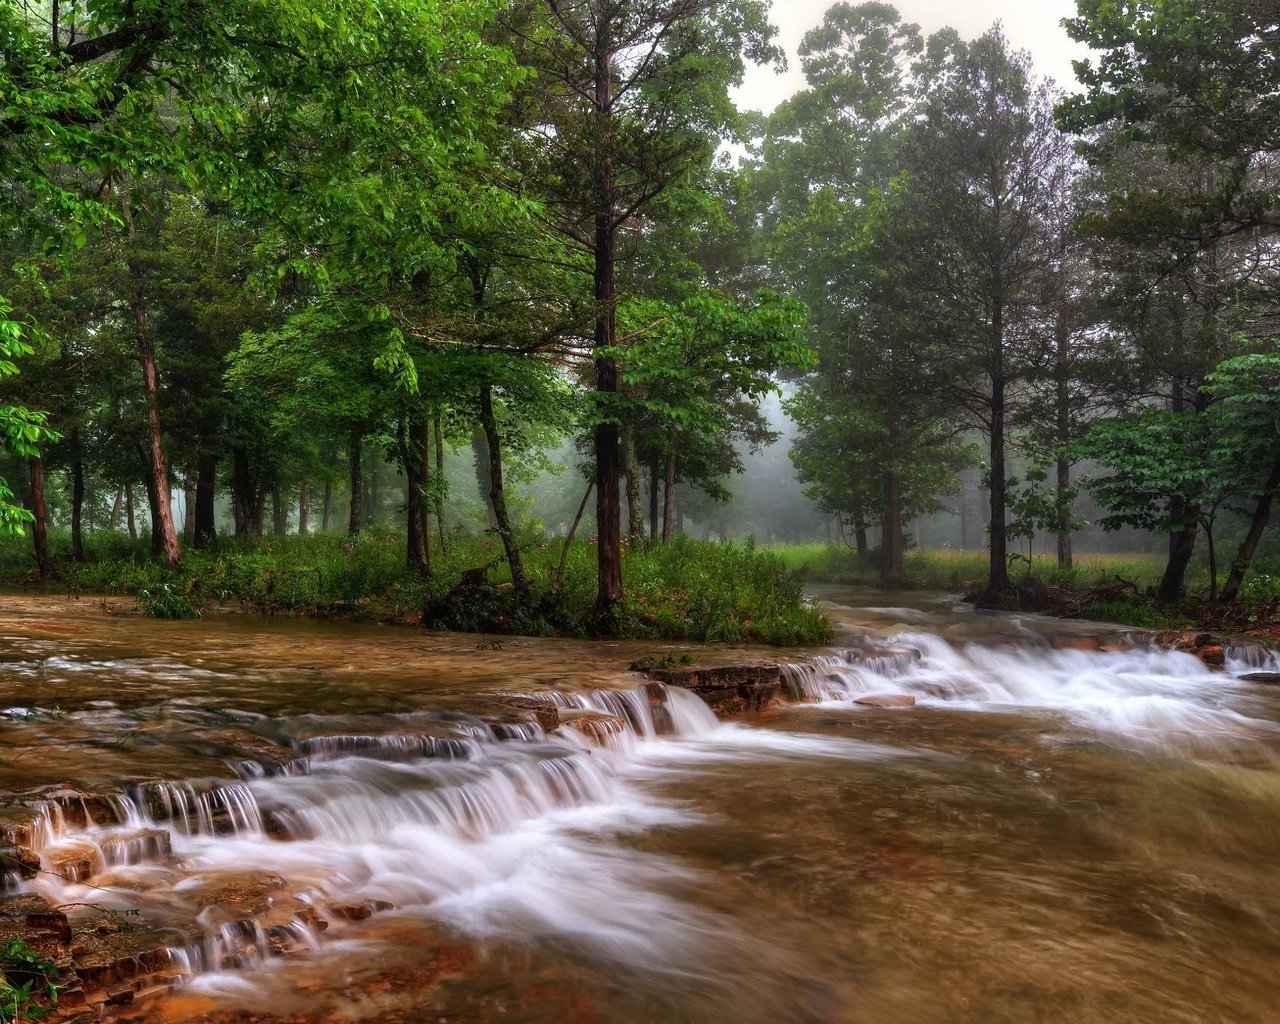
[633, 95]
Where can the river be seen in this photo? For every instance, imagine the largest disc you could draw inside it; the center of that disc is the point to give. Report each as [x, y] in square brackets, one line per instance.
[343, 823]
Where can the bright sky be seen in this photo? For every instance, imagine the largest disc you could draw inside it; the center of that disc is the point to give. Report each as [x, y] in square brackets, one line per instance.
[1031, 25]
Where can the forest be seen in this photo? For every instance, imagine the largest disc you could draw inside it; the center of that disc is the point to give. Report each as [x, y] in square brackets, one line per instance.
[301, 303]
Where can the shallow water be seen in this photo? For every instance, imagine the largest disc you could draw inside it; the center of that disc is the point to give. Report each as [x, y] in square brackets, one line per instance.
[1051, 834]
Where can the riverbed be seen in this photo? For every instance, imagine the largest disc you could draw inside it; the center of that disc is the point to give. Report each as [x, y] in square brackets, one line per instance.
[345, 823]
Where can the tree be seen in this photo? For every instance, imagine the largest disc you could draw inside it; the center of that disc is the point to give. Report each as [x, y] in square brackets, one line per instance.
[1179, 122]
[982, 164]
[832, 157]
[634, 94]
[1249, 386]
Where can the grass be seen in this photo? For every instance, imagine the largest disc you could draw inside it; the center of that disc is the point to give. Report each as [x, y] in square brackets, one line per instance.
[28, 983]
[687, 591]
[951, 569]
[1093, 587]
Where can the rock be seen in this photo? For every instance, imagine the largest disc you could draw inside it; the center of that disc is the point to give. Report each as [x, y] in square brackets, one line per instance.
[74, 861]
[82, 809]
[238, 746]
[887, 700]
[595, 725]
[104, 961]
[136, 847]
[359, 911]
[1175, 639]
[1266, 678]
[1212, 654]
[1077, 643]
[22, 860]
[543, 712]
[27, 915]
[728, 689]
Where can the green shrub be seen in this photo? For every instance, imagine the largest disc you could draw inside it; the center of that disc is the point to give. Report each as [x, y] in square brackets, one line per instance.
[687, 590]
[28, 983]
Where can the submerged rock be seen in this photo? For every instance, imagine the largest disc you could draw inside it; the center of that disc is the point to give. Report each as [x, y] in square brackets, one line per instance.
[887, 700]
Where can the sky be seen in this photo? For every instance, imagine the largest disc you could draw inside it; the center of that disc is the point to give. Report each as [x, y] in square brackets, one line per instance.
[1031, 25]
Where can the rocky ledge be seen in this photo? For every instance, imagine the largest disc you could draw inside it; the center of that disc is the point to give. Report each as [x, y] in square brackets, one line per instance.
[727, 689]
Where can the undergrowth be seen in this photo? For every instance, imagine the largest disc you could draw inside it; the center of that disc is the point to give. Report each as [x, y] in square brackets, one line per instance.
[28, 983]
[688, 590]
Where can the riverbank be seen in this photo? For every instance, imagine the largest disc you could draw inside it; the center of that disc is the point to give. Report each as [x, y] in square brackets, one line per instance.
[1099, 588]
[687, 591]
[298, 821]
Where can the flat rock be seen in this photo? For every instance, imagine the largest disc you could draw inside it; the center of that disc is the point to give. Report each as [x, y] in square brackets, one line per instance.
[1267, 678]
[727, 689]
[887, 700]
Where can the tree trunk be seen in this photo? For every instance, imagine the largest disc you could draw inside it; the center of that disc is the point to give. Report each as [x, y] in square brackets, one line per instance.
[860, 536]
[655, 483]
[206, 484]
[304, 506]
[437, 494]
[891, 570]
[117, 506]
[164, 536]
[669, 496]
[568, 537]
[40, 514]
[1182, 545]
[1257, 527]
[259, 511]
[356, 520]
[244, 494]
[414, 454]
[128, 512]
[998, 583]
[77, 497]
[326, 510]
[635, 507]
[1063, 396]
[1065, 559]
[188, 508]
[497, 495]
[480, 453]
[608, 503]
[279, 512]
[1181, 542]
[1213, 561]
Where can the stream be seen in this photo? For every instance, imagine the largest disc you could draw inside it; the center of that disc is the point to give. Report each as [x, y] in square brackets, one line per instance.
[286, 820]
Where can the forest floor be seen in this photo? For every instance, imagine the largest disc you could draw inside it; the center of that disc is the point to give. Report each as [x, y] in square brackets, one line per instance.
[734, 593]
[1102, 587]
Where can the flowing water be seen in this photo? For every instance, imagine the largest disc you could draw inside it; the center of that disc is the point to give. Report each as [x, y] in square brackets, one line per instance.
[361, 823]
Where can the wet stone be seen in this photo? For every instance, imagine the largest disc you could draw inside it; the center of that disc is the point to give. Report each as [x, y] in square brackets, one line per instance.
[82, 809]
[1265, 678]
[727, 689]
[240, 745]
[887, 700]
[135, 847]
[73, 861]
[597, 726]
[104, 961]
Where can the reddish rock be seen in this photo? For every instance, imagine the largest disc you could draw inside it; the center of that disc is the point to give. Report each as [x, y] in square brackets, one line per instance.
[595, 725]
[1212, 654]
[74, 861]
[1077, 643]
[887, 700]
[728, 689]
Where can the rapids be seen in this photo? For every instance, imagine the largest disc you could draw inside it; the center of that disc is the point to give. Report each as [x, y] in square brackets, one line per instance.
[344, 823]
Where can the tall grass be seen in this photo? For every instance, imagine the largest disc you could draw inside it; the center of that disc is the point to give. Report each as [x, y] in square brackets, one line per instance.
[954, 569]
[688, 590]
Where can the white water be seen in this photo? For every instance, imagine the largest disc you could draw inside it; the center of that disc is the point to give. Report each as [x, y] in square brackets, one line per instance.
[1146, 697]
[505, 833]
